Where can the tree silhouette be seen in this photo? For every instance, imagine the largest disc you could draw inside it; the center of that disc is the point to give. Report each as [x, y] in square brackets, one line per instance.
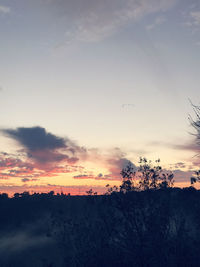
[196, 122]
[196, 125]
[195, 178]
[153, 176]
[91, 192]
[127, 174]
[146, 176]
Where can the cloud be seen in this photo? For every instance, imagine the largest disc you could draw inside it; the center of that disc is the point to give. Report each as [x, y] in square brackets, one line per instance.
[90, 176]
[25, 180]
[4, 9]
[92, 21]
[43, 147]
[47, 155]
[158, 21]
[182, 176]
[44, 154]
[193, 20]
[11, 166]
[30, 171]
[115, 165]
[188, 146]
[35, 138]
[100, 177]
[178, 165]
[113, 162]
[195, 15]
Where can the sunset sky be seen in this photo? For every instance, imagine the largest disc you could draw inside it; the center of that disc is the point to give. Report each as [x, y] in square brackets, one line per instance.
[86, 85]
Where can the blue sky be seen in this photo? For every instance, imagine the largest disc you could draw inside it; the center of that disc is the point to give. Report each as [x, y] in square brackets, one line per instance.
[105, 74]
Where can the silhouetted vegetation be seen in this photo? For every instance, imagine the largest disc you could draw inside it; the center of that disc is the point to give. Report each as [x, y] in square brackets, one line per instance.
[144, 222]
[147, 176]
[138, 228]
[196, 125]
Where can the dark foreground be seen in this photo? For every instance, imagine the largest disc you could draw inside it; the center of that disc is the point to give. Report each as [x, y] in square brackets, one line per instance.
[152, 228]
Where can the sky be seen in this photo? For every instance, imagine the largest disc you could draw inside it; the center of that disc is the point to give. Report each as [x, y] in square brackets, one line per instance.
[86, 85]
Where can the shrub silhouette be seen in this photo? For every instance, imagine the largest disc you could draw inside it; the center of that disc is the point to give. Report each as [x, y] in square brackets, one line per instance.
[152, 176]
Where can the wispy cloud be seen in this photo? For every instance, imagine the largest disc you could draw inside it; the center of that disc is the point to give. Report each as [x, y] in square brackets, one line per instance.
[4, 9]
[92, 21]
[192, 20]
[158, 21]
[187, 146]
[195, 15]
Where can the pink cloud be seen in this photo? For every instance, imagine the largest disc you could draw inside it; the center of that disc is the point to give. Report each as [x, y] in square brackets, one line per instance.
[26, 168]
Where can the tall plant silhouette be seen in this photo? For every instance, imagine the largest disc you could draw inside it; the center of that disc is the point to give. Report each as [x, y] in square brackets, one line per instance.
[153, 176]
[147, 176]
[128, 174]
[196, 125]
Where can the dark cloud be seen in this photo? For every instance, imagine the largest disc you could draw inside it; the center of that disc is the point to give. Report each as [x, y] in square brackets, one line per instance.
[83, 176]
[35, 138]
[96, 177]
[115, 165]
[45, 148]
[24, 180]
[178, 165]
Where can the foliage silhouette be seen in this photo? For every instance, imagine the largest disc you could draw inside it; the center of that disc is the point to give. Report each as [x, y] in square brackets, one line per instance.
[196, 125]
[147, 176]
[152, 176]
[127, 174]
